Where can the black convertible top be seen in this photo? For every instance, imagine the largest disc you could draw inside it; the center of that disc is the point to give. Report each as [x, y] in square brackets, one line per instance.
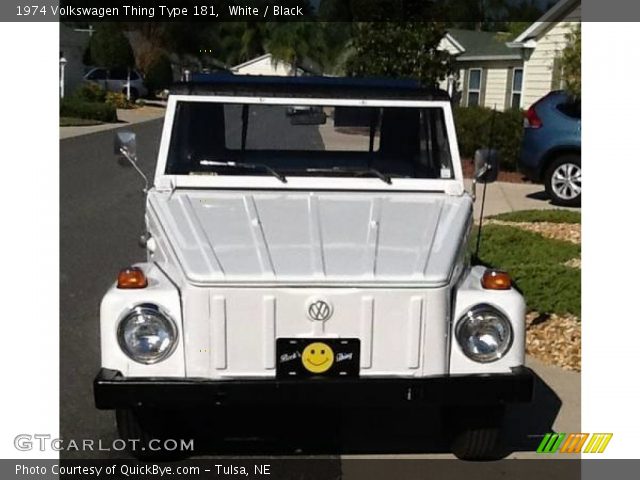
[307, 87]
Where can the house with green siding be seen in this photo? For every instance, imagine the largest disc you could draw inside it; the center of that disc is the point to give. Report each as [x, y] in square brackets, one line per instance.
[491, 72]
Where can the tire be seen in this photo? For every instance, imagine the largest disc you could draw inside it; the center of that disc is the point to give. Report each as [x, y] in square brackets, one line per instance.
[476, 438]
[563, 180]
[139, 428]
[477, 444]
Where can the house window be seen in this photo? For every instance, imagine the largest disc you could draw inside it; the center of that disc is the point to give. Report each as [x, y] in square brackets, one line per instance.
[475, 83]
[516, 88]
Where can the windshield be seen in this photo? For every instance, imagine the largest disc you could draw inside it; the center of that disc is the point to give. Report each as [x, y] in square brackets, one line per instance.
[299, 140]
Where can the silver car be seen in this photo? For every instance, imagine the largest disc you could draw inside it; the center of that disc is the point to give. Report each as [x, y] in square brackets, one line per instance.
[115, 80]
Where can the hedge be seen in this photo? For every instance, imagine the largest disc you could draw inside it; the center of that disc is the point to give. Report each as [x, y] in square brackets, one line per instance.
[90, 92]
[73, 107]
[118, 100]
[473, 126]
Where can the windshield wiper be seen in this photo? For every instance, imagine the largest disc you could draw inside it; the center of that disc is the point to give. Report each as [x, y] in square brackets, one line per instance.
[356, 171]
[248, 166]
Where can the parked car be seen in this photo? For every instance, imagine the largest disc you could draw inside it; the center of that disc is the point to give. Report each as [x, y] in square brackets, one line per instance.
[551, 147]
[291, 264]
[115, 80]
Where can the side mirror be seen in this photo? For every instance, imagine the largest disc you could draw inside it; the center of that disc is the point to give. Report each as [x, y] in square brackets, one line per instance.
[124, 145]
[304, 115]
[487, 165]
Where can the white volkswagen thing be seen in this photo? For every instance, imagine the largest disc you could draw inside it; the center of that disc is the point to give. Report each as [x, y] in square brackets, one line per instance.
[307, 243]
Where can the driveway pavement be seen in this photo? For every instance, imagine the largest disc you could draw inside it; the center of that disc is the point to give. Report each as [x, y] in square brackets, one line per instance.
[101, 218]
[508, 197]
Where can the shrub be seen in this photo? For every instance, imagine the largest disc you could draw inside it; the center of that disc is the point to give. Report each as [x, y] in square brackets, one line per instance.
[473, 125]
[117, 100]
[74, 107]
[90, 92]
[571, 62]
[159, 74]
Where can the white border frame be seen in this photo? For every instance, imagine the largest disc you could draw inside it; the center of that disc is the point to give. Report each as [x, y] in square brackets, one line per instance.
[30, 354]
[454, 186]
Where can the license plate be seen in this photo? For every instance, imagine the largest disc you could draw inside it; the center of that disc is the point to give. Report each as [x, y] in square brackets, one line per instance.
[317, 357]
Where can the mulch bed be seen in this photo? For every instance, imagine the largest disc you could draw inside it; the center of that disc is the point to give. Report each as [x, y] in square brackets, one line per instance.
[555, 339]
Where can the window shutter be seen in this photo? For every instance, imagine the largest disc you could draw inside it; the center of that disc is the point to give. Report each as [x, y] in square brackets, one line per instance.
[465, 90]
[483, 85]
[509, 89]
[556, 74]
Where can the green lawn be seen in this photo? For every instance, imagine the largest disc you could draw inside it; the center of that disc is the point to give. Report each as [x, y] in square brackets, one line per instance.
[535, 262]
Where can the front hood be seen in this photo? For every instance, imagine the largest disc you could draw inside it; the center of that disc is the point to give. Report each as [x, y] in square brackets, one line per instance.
[313, 237]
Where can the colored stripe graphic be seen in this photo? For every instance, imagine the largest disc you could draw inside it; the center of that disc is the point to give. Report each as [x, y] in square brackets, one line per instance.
[550, 443]
[598, 442]
[574, 443]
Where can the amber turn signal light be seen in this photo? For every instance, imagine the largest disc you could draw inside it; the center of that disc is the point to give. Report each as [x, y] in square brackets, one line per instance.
[496, 280]
[132, 277]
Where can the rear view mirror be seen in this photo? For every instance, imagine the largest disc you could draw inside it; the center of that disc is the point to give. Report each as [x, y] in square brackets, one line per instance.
[305, 115]
[124, 144]
[487, 165]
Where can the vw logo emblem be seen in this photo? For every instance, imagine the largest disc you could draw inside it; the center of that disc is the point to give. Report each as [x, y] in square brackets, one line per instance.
[319, 310]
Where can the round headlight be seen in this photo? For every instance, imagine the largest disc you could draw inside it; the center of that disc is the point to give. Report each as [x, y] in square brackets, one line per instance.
[484, 333]
[146, 334]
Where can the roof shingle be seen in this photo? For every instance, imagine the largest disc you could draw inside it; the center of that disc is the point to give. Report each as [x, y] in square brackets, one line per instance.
[480, 44]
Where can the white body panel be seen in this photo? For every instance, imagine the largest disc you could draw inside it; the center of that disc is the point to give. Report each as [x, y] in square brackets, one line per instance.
[313, 238]
[231, 332]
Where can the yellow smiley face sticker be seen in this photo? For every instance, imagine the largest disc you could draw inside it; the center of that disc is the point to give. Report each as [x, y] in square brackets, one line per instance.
[317, 357]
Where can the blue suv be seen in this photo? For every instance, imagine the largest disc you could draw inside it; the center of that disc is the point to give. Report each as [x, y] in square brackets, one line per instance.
[551, 147]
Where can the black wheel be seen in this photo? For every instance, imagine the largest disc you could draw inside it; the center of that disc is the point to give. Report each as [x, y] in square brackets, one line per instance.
[563, 180]
[476, 436]
[145, 432]
[477, 444]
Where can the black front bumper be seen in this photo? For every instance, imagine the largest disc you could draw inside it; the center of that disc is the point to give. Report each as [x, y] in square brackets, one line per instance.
[112, 390]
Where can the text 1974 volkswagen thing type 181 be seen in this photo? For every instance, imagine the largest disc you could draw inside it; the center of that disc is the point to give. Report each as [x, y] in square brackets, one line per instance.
[307, 244]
